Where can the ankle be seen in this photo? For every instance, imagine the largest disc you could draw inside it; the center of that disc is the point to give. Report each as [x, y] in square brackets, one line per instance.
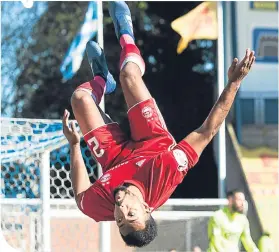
[98, 85]
[100, 80]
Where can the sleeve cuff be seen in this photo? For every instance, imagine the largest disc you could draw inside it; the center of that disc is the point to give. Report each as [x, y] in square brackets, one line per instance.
[189, 151]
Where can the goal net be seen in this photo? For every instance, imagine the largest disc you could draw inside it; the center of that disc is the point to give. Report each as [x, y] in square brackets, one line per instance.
[37, 209]
[35, 170]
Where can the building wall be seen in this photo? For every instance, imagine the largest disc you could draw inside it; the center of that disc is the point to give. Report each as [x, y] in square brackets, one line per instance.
[258, 30]
[255, 25]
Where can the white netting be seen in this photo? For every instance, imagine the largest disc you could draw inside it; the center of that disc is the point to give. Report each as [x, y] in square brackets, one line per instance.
[60, 183]
[21, 226]
[21, 178]
[23, 144]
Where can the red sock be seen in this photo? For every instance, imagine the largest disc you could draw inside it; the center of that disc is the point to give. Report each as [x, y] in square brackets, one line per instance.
[95, 87]
[130, 53]
[126, 39]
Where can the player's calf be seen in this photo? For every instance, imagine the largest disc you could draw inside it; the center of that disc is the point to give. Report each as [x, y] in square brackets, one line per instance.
[95, 88]
[80, 98]
[132, 66]
[130, 76]
[121, 16]
[131, 54]
[85, 109]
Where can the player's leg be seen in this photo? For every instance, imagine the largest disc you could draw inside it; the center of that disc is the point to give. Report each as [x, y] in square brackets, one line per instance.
[86, 109]
[132, 66]
[103, 137]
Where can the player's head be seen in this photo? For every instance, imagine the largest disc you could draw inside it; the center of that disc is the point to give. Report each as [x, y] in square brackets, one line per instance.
[197, 249]
[133, 218]
[141, 237]
[238, 201]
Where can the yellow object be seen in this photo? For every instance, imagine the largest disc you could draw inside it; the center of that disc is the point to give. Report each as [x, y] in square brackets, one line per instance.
[226, 229]
[264, 5]
[199, 23]
[265, 244]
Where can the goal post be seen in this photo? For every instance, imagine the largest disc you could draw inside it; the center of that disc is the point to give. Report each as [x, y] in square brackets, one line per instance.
[45, 185]
[104, 227]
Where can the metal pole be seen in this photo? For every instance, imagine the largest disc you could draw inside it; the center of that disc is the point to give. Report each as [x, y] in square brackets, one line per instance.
[105, 239]
[32, 232]
[45, 195]
[221, 137]
[188, 232]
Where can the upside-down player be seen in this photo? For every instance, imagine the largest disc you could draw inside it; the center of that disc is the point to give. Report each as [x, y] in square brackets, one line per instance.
[139, 172]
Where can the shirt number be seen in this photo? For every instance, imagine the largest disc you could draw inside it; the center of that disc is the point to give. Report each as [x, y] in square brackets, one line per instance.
[95, 147]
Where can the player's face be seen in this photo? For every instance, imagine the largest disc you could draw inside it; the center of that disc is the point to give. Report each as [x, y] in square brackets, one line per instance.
[129, 211]
[238, 202]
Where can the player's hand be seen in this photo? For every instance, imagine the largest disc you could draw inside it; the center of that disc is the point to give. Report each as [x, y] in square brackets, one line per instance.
[70, 130]
[238, 70]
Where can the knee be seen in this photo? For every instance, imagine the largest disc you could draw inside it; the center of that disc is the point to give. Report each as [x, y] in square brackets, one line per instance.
[130, 74]
[80, 98]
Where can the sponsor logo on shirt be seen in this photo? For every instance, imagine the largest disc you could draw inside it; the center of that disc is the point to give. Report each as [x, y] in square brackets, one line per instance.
[181, 159]
[105, 178]
[147, 112]
[119, 165]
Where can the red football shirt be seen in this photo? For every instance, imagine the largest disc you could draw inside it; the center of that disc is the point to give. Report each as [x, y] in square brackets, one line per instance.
[155, 176]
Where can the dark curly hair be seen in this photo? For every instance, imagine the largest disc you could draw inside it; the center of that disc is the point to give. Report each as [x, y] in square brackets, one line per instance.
[143, 237]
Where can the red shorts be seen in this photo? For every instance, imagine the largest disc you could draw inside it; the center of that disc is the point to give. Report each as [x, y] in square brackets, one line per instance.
[149, 136]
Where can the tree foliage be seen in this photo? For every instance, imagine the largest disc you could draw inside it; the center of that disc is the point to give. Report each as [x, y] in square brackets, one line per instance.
[41, 51]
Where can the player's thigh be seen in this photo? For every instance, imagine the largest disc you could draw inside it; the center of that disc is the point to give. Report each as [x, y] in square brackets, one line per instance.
[146, 122]
[86, 112]
[134, 89]
[106, 143]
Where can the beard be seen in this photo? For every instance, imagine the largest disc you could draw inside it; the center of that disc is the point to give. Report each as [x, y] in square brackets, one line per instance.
[236, 209]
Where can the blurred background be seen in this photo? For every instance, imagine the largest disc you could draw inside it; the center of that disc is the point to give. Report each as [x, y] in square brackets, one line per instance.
[38, 78]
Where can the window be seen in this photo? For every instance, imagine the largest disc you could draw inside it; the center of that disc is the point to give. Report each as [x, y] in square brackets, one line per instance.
[265, 42]
[271, 111]
[247, 110]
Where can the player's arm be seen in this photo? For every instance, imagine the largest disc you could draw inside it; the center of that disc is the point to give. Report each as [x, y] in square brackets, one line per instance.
[201, 137]
[79, 175]
[215, 238]
[247, 240]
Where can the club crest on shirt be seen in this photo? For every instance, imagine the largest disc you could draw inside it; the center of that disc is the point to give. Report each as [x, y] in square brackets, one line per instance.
[147, 112]
[181, 159]
[105, 178]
